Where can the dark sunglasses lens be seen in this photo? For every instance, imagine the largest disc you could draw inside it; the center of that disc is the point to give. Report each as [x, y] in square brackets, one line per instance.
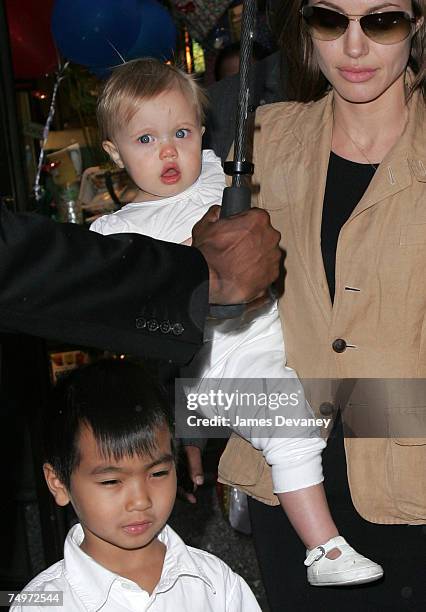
[323, 23]
[386, 28]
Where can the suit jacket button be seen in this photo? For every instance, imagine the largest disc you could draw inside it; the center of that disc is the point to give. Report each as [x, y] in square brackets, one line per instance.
[339, 345]
[140, 323]
[152, 325]
[165, 327]
[326, 408]
[178, 329]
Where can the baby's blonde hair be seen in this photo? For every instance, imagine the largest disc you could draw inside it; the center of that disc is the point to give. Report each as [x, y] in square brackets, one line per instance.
[138, 80]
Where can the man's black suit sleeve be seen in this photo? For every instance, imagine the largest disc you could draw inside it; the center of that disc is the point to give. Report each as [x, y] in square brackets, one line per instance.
[126, 292]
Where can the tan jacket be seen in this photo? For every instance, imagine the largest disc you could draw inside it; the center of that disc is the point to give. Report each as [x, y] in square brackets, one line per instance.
[379, 307]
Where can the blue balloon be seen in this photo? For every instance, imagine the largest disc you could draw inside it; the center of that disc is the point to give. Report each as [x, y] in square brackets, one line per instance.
[96, 32]
[157, 35]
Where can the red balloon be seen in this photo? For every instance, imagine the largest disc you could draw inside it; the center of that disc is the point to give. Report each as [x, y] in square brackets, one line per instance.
[33, 50]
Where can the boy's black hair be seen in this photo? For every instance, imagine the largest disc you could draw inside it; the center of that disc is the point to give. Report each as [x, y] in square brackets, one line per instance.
[120, 401]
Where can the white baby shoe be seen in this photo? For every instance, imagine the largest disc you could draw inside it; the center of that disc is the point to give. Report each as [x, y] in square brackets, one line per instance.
[348, 568]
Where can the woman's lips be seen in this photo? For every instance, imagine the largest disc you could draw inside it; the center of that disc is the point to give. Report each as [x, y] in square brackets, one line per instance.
[137, 528]
[170, 176]
[357, 75]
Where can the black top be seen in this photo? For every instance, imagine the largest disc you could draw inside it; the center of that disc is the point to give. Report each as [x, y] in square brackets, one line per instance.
[346, 183]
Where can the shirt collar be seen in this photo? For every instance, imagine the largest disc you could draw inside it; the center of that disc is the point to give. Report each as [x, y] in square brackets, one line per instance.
[178, 561]
[92, 582]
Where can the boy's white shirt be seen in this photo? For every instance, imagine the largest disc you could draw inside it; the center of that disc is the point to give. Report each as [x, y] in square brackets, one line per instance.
[248, 347]
[191, 579]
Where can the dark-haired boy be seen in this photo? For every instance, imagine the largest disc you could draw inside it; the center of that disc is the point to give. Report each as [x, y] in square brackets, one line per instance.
[109, 452]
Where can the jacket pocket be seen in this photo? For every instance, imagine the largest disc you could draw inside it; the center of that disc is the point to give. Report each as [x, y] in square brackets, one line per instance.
[407, 424]
[245, 468]
[241, 463]
[408, 464]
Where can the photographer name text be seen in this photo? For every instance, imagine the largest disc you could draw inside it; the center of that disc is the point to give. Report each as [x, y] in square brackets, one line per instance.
[276, 420]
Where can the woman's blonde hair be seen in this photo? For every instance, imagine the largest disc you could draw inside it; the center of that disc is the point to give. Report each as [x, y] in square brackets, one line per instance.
[138, 80]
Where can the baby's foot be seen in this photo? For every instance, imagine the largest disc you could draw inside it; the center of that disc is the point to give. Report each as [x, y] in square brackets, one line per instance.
[348, 567]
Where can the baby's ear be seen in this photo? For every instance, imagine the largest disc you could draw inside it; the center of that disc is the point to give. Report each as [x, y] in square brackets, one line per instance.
[110, 148]
[56, 487]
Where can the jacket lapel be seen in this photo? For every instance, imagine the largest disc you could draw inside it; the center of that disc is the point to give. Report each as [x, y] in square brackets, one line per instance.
[403, 161]
[308, 164]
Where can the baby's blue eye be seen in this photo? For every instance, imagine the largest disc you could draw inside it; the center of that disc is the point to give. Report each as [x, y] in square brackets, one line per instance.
[183, 133]
[145, 139]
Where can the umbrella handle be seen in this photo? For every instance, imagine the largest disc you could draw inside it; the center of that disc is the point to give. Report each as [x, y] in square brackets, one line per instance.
[234, 200]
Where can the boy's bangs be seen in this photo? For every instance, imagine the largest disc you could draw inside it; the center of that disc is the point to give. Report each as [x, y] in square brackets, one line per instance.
[130, 439]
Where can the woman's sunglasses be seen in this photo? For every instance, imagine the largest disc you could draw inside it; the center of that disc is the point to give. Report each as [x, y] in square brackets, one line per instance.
[385, 28]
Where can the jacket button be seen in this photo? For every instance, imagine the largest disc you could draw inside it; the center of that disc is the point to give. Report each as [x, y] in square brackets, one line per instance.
[165, 327]
[339, 345]
[326, 408]
[152, 325]
[178, 329]
[140, 323]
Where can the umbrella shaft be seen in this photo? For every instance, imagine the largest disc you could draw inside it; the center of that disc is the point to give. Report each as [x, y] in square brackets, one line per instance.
[247, 35]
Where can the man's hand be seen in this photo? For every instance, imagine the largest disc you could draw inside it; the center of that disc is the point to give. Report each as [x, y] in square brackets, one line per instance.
[242, 253]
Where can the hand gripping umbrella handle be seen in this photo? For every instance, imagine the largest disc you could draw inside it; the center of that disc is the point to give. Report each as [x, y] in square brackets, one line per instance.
[237, 198]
